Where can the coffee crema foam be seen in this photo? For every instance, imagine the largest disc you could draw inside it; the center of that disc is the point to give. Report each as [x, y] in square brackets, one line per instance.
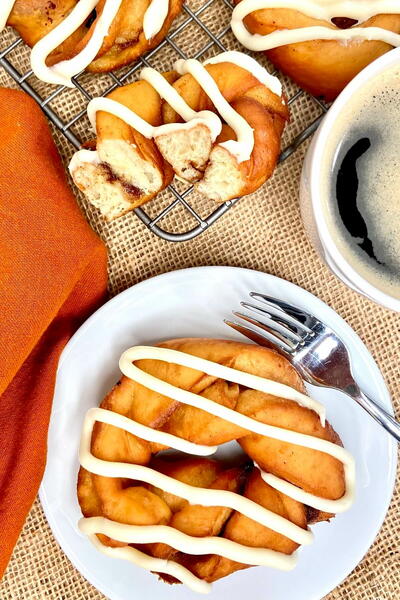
[360, 182]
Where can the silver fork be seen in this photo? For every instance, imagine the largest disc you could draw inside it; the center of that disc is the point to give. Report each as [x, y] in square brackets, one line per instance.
[314, 349]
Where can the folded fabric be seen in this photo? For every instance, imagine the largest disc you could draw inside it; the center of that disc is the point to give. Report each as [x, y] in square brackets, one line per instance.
[52, 276]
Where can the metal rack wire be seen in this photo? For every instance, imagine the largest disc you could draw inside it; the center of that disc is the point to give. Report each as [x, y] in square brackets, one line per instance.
[181, 198]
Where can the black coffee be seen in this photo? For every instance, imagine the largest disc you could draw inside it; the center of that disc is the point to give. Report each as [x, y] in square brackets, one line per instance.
[361, 182]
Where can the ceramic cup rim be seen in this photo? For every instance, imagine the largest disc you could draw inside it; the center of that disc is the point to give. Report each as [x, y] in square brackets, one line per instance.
[389, 59]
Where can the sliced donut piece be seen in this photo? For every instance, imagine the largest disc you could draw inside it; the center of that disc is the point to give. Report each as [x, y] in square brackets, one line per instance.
[187, 151]
[129, 169]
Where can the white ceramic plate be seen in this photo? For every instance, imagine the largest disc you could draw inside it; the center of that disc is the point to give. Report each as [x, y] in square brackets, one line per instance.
[193, 302]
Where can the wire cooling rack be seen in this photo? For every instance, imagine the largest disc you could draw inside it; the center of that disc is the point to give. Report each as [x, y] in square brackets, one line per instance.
[210, 41]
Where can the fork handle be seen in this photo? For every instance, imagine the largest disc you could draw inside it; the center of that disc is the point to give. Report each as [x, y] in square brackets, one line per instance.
[377, 412]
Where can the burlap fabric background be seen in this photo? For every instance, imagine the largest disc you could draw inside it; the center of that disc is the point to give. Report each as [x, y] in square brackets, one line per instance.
[263, 232]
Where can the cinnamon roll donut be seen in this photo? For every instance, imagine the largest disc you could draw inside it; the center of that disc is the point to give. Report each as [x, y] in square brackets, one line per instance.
[196, 519]
[217, 124]
[320, 44]
[69, 36]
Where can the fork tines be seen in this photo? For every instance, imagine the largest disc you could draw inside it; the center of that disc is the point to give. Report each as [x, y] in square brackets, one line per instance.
[282, 325]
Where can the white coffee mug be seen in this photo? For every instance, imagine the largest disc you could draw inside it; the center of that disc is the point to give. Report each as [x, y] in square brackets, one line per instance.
[314, 217]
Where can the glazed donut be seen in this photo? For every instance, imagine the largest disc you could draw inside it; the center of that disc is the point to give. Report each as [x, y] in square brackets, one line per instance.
[167, 124]
[69, 36]
[320, 44]
[194, 519]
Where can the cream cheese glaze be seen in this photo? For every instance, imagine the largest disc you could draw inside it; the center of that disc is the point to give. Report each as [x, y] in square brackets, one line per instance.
[325, 10]
[195, 495]
[147, 534]
[249, 64]
[83, 156]
[241, 149]
[122, 112]
[157, 565]
[154, 18]
[62, 72]
[205, 497]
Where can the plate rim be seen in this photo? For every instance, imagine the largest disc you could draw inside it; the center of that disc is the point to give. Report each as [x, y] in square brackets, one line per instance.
[392, 446]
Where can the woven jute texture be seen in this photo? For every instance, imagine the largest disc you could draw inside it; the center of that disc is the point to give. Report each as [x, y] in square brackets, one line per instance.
[263, 232]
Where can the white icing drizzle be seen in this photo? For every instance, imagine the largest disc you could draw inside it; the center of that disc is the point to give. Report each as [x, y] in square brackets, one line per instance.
[148, 534]
[156, 565]
[325, 10]
[5, 11]
[206, 497]
[251, 65]
[210, 120]
[216, 370]
[62, 72]
[166, 91]
[241, 149]
[171, 96]
[323, 504]
[195, 495]
[154, 18]
[81, 157]
[144, 432]
[122, 112]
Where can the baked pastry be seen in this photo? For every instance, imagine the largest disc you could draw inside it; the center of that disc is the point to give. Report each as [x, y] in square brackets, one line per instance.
[167, 124]
[69, 36]
[321, 45]
[195, 520]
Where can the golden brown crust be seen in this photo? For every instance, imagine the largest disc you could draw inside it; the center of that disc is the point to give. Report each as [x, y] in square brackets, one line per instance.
[125, 41]
[34, 18]
[267, 129]
[321, 67]
[124, 501]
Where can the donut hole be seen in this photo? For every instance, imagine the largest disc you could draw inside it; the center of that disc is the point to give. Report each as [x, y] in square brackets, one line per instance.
[344, 22]
[229, 455]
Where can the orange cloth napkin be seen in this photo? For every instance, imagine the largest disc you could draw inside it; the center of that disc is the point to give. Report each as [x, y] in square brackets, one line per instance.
[52, 276]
